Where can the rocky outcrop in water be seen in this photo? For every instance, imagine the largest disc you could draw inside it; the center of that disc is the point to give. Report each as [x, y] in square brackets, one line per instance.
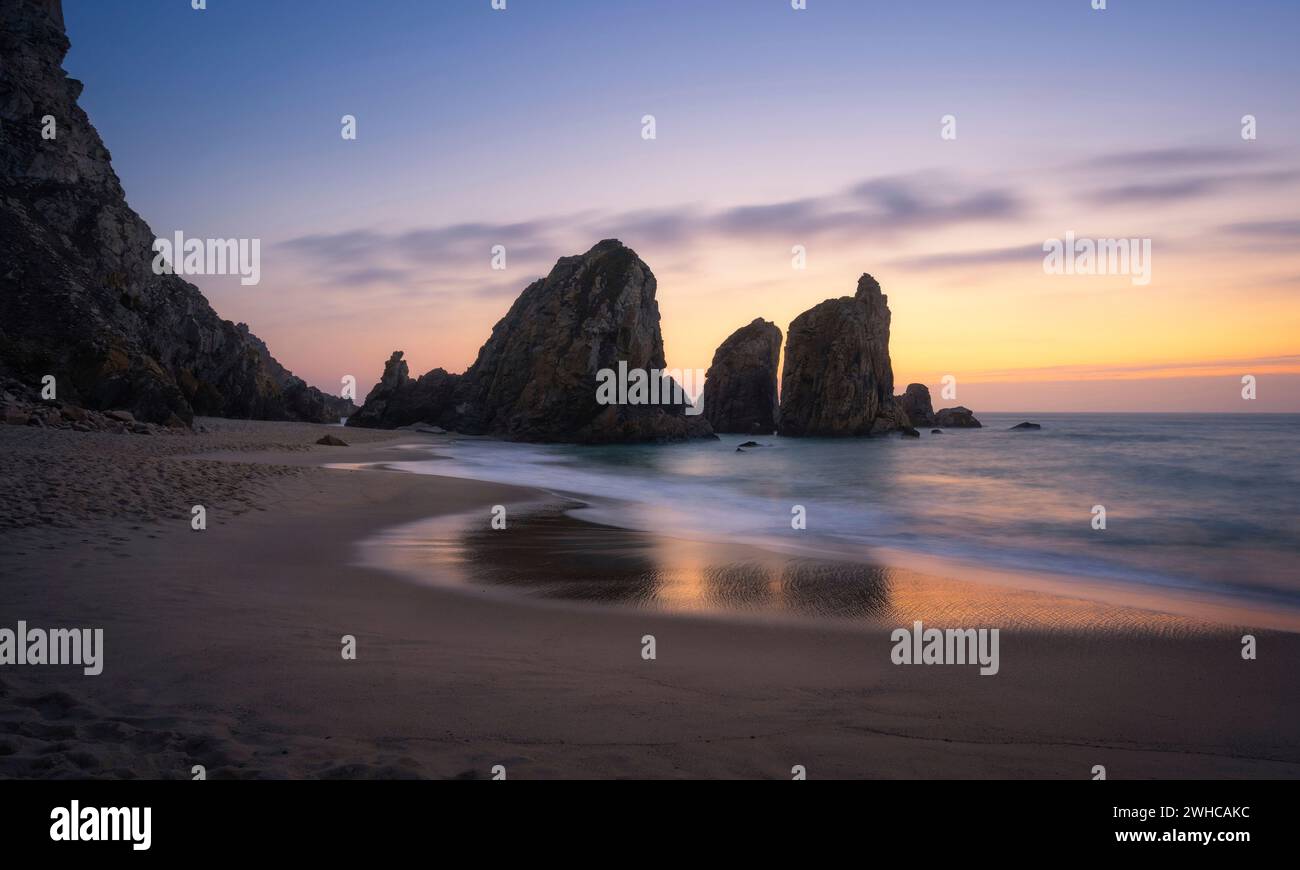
[959, 417]
[838, 379]
[591, 320]
[740, 386]
[915, 402]
[78, 296]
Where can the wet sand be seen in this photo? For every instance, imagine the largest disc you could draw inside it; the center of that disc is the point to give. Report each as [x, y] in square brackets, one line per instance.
[547, 553]
[222, 647]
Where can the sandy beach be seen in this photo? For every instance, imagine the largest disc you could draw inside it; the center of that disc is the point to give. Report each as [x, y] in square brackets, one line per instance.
[222, 648]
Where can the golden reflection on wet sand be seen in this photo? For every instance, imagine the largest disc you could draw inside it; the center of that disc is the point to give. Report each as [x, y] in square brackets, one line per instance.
[550, 554]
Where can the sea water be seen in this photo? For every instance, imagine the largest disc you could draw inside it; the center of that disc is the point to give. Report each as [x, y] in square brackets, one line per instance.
[1196, 502]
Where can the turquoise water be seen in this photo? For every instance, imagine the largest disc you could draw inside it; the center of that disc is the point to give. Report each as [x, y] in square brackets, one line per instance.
[1195, 502]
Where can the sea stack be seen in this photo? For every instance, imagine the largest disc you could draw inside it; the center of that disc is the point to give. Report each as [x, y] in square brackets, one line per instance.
[537, 376]
[915, 402]
[740, 387]
[838, 380]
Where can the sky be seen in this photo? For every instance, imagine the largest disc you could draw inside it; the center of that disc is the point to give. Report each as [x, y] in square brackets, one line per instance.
[830, 128]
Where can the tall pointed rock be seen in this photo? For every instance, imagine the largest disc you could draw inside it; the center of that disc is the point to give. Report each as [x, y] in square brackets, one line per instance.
[838, 380]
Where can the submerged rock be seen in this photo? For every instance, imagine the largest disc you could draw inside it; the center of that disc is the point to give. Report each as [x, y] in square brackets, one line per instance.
[838, 379]
[1026, 425]
[740, 386]
[332, 441]
[959, 417]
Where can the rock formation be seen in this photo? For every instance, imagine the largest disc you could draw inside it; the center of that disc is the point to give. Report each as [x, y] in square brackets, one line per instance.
[78, 296]
[740, 386]
[537, 377]
[959, 417]
[20, 405]
[915, 402]
[838, 380]
[398, 401]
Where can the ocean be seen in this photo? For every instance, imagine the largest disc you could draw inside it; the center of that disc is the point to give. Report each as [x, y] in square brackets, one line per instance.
[1199, 503]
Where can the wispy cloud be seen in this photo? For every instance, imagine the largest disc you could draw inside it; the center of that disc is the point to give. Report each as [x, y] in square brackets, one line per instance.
[1181, 157]
[891, 206]
[984, 257]
[895, 207]
[1281, 229]
[1177, 190]
[904, 212]
[1285, 364]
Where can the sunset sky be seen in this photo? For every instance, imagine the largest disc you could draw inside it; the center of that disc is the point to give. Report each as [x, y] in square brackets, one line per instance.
[775, 128]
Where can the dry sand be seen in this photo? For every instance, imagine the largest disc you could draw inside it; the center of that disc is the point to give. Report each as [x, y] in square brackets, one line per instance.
[222, 648]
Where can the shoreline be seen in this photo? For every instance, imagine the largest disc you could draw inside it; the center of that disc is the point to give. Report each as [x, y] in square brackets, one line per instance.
[1105, 602]
[419, 551]
[1206, 569]
[222, 648]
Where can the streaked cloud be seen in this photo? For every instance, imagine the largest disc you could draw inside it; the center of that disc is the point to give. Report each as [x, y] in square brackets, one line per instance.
[1181, 157]
[1282, 364]
[1190, 187]
[894, 207]
[1279, 229]
[1032, 253]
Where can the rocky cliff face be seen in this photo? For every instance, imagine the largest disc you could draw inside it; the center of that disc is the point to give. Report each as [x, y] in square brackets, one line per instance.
[740, 386]
[915, 402]
[537, 376]
[838, 380]
[78, 296]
